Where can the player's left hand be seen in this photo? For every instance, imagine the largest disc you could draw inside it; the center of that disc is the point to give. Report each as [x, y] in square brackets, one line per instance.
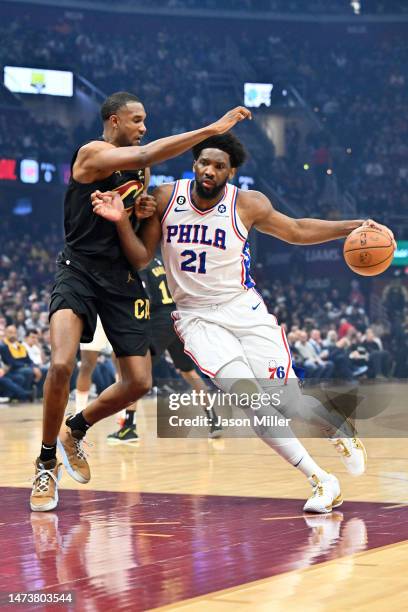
[145, 206]
[384, 228]
[109, 205]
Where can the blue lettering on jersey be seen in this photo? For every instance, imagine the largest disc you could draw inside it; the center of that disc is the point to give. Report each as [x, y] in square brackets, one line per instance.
[195, 239]
[196, 234]
[184, 234]
[204, 239]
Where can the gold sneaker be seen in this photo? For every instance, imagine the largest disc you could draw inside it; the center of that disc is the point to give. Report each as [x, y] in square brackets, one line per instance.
[44, 495]
[70, 445]
[326, 495]
[352, 453]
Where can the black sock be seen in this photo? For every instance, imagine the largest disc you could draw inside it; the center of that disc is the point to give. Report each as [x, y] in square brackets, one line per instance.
[77, 423]
[48, 452]
[130, 418]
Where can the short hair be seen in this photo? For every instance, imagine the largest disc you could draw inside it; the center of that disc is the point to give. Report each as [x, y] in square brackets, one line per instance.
[115, 102]
[228, 143]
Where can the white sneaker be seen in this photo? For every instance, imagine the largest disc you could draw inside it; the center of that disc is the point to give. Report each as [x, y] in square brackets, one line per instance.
[326, 495]
[352, 453]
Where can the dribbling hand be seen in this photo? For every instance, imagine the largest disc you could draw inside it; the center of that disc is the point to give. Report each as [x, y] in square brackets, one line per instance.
[108, 205]
[232, 118]
[384, 228]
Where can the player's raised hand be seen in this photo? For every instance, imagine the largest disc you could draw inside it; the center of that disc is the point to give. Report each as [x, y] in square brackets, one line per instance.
[232, 118]
[145, 206]
[107, 204]
[384, 228]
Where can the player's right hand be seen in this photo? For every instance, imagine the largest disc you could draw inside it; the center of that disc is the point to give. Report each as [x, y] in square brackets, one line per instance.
[107, 204]
[231, 118]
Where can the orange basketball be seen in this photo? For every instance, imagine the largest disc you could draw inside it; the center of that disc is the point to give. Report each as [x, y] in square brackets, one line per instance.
[368, 251]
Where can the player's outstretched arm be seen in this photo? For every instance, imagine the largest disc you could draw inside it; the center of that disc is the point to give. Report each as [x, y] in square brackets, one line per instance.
[266, 219]
[99, 159]
[138, 249]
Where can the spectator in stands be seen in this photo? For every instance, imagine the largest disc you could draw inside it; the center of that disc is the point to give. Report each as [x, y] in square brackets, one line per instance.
[338, 354]
[315, 340]
[380, 360]
[14, 355]
[344, 328]
[315, 366]
[358, 354]
[9, 389]
[45, 343]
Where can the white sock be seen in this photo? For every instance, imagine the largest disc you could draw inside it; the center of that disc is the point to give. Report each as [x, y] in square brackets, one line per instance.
[81, 400]
[289, 448]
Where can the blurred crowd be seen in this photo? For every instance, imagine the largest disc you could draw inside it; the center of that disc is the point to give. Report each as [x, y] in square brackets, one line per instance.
[314, 7]
[331, 334]
[355, 87]
[356, 91]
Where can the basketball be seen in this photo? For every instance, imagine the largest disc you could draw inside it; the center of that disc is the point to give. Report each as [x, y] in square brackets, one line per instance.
[368, 251]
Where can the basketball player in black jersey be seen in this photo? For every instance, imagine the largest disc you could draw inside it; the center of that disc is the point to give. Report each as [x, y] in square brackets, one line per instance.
[94, 277]
[164, 338]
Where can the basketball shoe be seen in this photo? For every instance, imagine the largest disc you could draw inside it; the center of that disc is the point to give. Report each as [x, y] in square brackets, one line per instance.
[125, 435]
[352, 453]
[44, 495]
[70, 444]
[326, 495]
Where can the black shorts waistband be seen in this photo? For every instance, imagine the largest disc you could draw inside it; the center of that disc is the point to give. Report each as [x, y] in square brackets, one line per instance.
[93, 263]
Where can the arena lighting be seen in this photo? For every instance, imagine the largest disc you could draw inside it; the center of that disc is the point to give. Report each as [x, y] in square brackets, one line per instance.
[246, 182]
[256, 94]
[21, 79]
[306, 166]
[356, 6]
[329, 171]
[23, 207]
[8, 169]
[29, 171]
[348, 150]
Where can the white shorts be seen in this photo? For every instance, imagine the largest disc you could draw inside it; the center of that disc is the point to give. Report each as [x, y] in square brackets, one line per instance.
[239, 329]
[99, 342]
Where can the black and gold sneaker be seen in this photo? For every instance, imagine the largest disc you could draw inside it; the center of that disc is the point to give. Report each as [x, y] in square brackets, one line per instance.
[125, 435]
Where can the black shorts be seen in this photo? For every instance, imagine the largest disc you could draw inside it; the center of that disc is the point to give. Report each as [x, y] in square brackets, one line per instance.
[164, 338]
[113, 291]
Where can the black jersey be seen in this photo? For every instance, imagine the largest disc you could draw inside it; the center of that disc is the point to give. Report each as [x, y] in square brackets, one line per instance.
[85, 232]
[155, 284]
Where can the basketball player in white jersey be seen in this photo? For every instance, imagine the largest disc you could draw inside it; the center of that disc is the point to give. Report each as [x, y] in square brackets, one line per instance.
[203, 226]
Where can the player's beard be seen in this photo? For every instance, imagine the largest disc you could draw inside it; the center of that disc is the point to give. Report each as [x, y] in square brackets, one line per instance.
[209, 194]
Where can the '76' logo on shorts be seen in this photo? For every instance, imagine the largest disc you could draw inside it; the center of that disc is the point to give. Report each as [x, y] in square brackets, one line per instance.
[275, 370]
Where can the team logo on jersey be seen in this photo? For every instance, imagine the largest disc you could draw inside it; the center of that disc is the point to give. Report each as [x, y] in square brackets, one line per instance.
[275, 371]
[222, 208]
[128, 192]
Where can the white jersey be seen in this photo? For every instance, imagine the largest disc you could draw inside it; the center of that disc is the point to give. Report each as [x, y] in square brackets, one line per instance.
[206, 253]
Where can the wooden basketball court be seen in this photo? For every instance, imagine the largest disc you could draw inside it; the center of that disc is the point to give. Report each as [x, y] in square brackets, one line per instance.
[202, 525]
